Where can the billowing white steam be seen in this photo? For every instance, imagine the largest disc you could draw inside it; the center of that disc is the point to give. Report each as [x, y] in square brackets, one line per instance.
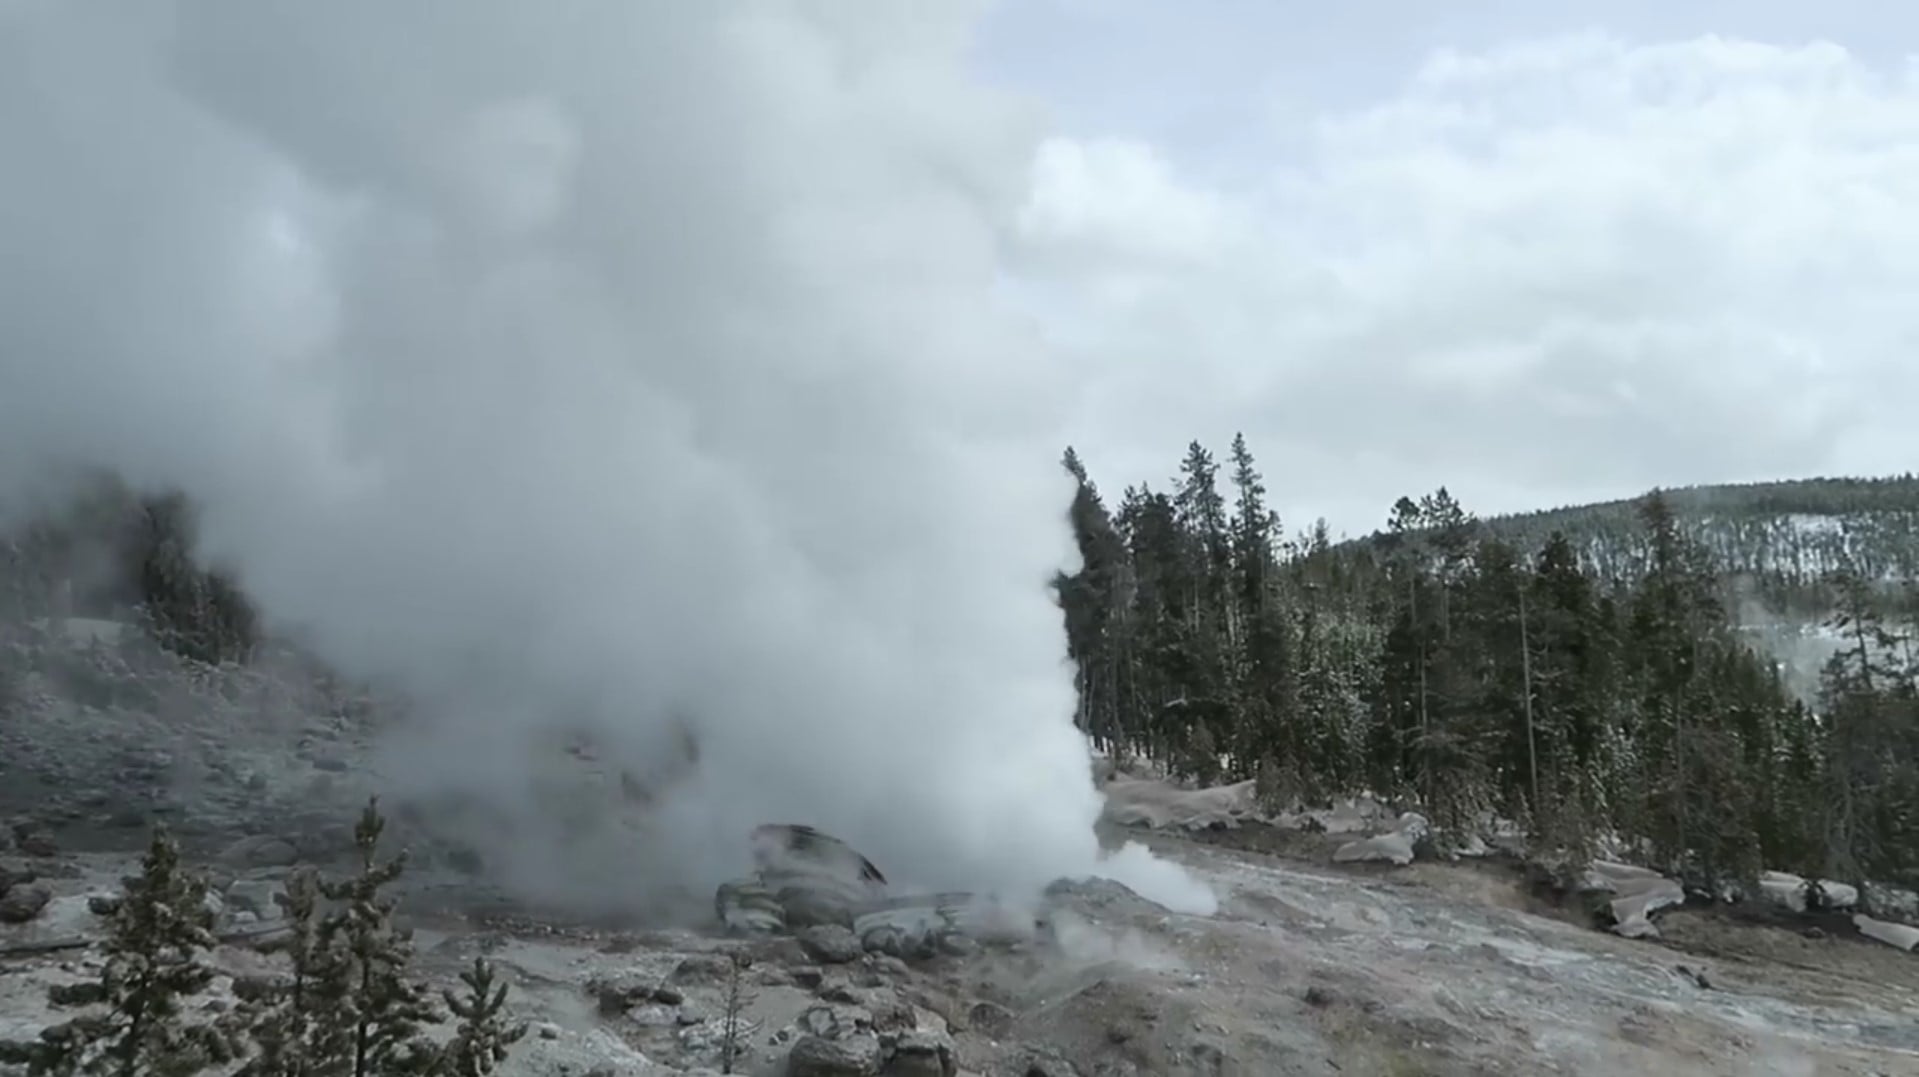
[610, 363]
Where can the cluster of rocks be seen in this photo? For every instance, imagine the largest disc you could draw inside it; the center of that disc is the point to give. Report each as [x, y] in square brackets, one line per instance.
[22, 895]
[817, 1009]
[810, 882]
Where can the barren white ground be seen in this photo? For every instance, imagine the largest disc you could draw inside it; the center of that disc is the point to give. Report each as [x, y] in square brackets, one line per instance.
[1308, 968]
[1303, 971]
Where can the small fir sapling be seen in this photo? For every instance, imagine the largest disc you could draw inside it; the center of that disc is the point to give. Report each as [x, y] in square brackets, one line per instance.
[157, 936]
[485, 1034]
[380, 1007]
[733, 1029]
[297, 1024]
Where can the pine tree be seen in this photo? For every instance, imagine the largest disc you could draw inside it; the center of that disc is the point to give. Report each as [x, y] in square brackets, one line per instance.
[1095, 601]
[484, 1036]
[1860, 695]
[733, 1025]
[156, 937]
[1668, 615]
[299, 1026]
[1268, 728]
[1206, 648]
[1587, 682]
[379, 1006]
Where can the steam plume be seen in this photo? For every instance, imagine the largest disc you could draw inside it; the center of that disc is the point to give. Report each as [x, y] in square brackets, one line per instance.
[633, 365]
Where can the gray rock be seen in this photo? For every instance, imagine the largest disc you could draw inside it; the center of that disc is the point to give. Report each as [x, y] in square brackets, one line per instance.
[923, 1054]
[330, 839]
[261, 851]
[820, 1021]
[1039, 1062]
[831, 944]
[857, 1055]
[23, 903]
[654, 1016]
[991, 1018]
[255, 896]
[893, 1014]
[841, 992]
[702, 969]
[616, 994]
[10, 879]
[810, 906]
[748, 907]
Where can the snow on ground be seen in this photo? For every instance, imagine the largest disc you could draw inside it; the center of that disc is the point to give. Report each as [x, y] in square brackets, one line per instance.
[1508, 983]
[1307, 968]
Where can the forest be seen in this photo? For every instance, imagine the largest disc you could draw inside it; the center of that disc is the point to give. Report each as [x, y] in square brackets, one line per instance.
[1581, 672]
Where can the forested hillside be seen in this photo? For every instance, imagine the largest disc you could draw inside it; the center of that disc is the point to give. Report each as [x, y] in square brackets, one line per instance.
[1776, 544]
[1579, 670]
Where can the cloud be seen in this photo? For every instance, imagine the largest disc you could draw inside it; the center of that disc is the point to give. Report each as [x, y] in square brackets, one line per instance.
[625, 366]
[1560, 269]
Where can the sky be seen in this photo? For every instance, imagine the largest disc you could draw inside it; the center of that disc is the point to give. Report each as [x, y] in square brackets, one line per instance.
[632, 369]
[1540, 253]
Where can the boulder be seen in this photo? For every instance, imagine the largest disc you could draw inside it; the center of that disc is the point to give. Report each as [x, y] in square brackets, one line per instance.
[856, 1055]
[23, 903]
[1901, 936]
[1394, 847]
[255, 896]
[1791, 891]
[260, 851]
[831, 944]
[750, 907]
[922, 1053]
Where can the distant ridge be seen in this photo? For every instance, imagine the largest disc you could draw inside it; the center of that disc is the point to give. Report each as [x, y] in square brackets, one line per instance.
[1776, 542]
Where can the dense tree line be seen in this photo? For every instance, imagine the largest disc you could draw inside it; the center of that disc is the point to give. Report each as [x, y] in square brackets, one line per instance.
[115, 552]
[1441, 663]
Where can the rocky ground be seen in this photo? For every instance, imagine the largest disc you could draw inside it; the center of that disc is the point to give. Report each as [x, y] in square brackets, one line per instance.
[1305, 970]
[1308, 968]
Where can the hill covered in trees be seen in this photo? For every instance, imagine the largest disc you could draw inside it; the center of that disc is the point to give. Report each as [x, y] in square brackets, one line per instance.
[1777, 546]
[1583, 670]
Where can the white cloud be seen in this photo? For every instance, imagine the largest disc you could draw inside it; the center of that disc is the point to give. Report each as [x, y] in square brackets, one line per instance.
[1564, 268]
[1121, 200]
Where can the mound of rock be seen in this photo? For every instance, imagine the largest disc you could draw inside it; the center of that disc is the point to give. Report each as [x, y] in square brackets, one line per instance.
[1637, 894]
[1158, 805]
[1393, 847]
[1794, 891]
[837, 901]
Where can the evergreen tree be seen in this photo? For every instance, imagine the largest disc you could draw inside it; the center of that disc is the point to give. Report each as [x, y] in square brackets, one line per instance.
[156, 936]
[1867, 700]
[1094, 600]
[484, 1036]
[1267, 728]
[300, 1026]
[1585, 680]
[367, 983]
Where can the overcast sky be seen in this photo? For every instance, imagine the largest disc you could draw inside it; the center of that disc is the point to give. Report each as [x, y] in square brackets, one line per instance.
[1538, 252]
